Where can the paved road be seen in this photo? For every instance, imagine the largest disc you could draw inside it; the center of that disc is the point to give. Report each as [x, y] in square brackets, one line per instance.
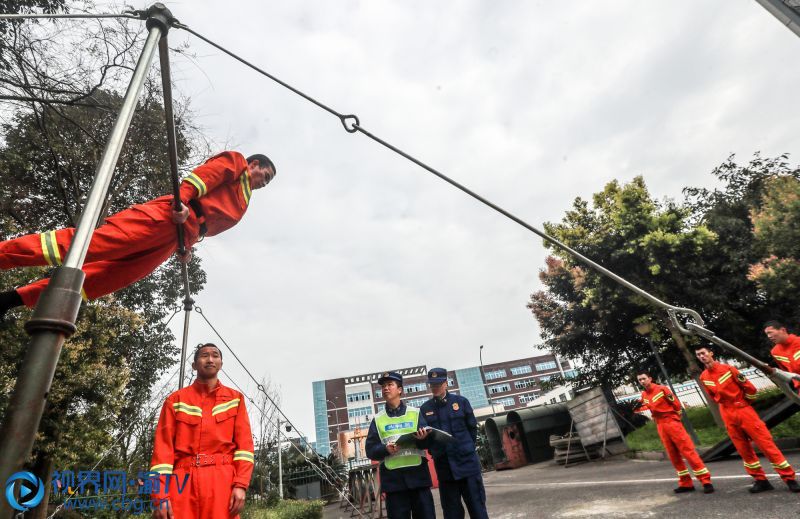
[623, 488]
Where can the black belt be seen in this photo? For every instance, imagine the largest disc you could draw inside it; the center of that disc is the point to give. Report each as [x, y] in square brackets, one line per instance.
[201, 216]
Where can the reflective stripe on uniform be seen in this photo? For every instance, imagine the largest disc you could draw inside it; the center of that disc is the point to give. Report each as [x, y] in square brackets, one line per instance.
[709, 383]
[244, 456]
[782, 465]
[192, 410]
[683, 472]
[659, 395]
[221, 408]
[752, 466]
[198, 183]
[750, 397]
[50, 248]
[700, 472]
[724, 377]
[163, 468]
[782, 359]
[796, 355]
[245, 182]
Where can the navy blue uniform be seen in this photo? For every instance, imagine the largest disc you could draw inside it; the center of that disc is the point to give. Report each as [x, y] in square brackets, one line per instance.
[457, 464]
[408, 489]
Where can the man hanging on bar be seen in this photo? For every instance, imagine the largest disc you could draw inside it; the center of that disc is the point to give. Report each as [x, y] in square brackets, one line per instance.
[134, 242]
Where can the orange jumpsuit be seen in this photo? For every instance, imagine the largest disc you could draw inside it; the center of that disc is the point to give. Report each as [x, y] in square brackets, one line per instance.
[665, 409]
[204, 433]
[787, 355]
[734, 393]
[134, 242]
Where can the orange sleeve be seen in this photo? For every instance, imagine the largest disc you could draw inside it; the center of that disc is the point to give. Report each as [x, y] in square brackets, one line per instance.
[710, 388]
[244, 456]
[747, 386]
[780, 360]
[672, 399]
[164, 447]
[218, 170]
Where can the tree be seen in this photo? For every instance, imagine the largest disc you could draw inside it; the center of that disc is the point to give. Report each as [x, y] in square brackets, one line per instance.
[654, 245]
[746, 293]
[47, 162]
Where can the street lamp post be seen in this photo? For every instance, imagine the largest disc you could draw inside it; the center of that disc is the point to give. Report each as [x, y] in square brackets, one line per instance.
[483, 380]
[646, 329]
[338, 421]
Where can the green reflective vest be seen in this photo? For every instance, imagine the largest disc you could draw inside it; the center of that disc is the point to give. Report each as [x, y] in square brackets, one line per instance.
[392, 427]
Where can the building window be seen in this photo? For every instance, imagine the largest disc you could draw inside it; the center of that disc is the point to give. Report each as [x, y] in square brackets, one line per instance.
[545, 378]
[415, 388]
[359, 411]
[553, 400]
[522, 384]
[416, 402]
[499, 388]
[562, 397]
[358, 397]
[570, 374]
[544, 366]
[506, 402]
[521, 370]
[450, 382]
[494, 375]
[378, 393]
[527, 397]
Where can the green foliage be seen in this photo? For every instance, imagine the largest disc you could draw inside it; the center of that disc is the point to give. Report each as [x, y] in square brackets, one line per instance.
[653, 244]
[287, 509]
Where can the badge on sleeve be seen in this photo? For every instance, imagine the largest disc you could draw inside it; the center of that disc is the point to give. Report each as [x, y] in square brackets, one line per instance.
[455, 406]
[741, 378]
[670, 398]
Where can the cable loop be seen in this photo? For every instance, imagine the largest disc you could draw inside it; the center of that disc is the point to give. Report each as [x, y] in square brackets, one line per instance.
[353, 120]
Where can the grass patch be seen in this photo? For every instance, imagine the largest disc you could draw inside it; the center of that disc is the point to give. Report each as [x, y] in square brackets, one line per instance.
[646, 438]
[286, 509]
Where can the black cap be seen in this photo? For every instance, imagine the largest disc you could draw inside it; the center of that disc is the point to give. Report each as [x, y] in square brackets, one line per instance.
[437, 376]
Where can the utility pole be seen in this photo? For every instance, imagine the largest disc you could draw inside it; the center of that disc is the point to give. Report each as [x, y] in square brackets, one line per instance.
[280, 461]
[483, 379]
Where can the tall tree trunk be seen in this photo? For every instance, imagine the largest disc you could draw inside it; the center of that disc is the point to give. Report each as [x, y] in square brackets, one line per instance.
[694, 371]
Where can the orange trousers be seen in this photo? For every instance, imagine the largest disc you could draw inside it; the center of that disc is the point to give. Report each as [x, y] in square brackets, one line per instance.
[206, 495]
[127, 247]
[679, 446]
[744, 427]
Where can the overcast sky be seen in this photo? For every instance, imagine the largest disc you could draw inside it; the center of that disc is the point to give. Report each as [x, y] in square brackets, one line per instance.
[354, 260]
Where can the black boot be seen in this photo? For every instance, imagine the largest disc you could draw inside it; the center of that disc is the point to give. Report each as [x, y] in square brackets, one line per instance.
[760, 485]
[8, 300]
[793, 486]
[681, 490]
[708, 488]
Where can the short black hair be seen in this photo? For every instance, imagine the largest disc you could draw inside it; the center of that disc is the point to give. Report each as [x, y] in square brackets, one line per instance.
[263, 160]
[644, 371]
[705, 347]
[773, 323]
[205, 345]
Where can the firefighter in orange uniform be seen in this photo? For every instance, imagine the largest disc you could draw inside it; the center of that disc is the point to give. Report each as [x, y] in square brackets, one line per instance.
[786, 351]
[666, 411]
[203, 432]
[133, 242]
[734, 393]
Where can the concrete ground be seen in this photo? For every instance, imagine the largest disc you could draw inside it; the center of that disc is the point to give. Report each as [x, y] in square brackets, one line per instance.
[626, 488]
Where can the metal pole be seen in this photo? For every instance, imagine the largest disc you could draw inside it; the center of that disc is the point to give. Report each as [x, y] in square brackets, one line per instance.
[54, 318]
[280, 461]
[483, 379]
[685, 419]
[172, 146]
[788, 16]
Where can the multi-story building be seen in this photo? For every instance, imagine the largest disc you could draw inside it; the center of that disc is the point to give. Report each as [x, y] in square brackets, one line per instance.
[344, 404]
